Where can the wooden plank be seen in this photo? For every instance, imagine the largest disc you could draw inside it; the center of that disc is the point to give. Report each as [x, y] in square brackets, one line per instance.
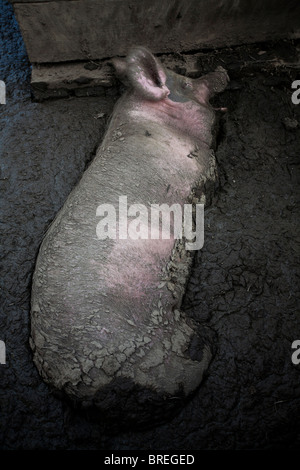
[80, 79]
[69, 30]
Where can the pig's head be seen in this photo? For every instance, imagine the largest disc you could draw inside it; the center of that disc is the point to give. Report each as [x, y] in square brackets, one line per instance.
[146, 75]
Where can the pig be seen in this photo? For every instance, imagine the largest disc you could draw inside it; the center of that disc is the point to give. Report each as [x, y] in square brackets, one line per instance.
[107, 327]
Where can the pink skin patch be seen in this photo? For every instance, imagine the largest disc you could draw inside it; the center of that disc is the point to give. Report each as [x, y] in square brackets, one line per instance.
[134, 265]
[190, 121]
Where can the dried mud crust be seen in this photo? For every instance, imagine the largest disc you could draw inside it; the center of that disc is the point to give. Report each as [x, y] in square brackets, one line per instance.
[176, 273]
[244, 283]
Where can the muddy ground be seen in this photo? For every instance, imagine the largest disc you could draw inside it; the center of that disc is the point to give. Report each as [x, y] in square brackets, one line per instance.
[245, 281]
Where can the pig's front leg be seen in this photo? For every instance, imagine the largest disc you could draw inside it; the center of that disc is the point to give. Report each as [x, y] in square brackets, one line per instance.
[213, 82]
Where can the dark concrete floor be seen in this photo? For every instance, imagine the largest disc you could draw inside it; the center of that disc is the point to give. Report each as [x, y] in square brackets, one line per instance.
[245, 282]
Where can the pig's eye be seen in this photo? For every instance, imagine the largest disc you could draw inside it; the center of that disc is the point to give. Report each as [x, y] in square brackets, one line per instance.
[186, 85]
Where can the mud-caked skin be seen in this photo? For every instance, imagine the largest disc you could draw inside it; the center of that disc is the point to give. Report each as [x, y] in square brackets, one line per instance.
[107, 311]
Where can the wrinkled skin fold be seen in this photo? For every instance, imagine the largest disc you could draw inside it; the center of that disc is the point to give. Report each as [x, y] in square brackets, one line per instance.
[104, 312]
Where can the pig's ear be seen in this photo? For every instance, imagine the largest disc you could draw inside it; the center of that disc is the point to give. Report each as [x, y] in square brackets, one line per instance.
[146, 74]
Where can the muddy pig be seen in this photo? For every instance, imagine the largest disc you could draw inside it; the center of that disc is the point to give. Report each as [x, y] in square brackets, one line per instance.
[106, 321]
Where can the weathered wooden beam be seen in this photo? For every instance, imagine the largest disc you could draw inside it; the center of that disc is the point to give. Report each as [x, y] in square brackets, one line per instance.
[65, 79]
[72, 30]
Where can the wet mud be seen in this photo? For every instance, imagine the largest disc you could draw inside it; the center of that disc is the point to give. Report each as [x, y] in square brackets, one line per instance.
[244, 287]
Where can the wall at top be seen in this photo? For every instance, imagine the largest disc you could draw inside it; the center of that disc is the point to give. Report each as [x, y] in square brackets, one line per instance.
[68, 30]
